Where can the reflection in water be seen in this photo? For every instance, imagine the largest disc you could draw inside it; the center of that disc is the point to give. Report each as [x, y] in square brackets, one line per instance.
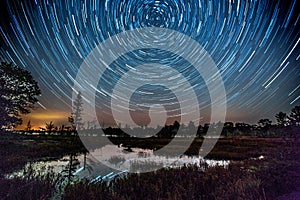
[144, 160]
[116, 163]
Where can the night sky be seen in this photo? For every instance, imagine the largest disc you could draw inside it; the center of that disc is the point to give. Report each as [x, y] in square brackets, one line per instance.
[255, 45]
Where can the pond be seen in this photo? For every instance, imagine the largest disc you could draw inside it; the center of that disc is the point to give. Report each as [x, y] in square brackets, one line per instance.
[117, 162]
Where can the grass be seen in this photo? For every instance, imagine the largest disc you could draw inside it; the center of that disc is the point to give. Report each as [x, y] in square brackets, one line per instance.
[244, 178]
[265, 178]
[229, 148]
[16, 150]
[33, 186]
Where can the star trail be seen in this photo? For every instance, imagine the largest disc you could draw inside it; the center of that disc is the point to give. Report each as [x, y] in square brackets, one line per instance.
[255, 45]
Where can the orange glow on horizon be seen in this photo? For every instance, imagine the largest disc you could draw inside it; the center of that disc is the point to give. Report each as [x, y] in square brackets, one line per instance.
[49, 116]
[41, 117]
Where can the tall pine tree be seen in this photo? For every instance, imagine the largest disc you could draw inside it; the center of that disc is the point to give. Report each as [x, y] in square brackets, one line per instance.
[77, 112]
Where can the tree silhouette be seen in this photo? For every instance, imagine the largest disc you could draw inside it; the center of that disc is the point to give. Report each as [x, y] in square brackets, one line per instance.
[176, 125]
[77, 108]
[50, 126]
[28, 126]
[265, 123]
[281, 118]
[295, 116]
[71, 120]
[18, 93]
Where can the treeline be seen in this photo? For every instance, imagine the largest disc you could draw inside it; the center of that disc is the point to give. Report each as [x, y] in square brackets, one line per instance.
[286, 125]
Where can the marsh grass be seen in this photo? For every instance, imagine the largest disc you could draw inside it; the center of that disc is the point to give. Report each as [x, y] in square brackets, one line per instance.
[244, 178]
[33, 184]
[250, 179]
[116, 159]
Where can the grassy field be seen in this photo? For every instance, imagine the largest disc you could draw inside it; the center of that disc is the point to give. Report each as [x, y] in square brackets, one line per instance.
[276, 175]
[245, 178]
[16, 150]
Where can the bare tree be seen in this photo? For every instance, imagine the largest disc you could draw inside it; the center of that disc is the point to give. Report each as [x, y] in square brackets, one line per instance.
[50, 126]
[28, 126]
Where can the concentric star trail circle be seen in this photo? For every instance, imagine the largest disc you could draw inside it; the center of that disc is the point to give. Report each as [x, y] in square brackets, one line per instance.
[255, 44]
[100, 59]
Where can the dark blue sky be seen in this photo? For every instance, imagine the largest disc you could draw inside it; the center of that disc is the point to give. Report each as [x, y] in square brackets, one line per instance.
[255, 46]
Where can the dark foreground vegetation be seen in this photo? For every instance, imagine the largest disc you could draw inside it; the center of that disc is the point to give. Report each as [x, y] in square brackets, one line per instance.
[274, 175]
[246, 177]
[16, 150]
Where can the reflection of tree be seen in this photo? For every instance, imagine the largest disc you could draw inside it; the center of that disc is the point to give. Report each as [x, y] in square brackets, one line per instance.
[68, 172]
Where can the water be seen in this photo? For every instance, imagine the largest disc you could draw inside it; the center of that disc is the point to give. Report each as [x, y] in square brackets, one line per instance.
[114, 162]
